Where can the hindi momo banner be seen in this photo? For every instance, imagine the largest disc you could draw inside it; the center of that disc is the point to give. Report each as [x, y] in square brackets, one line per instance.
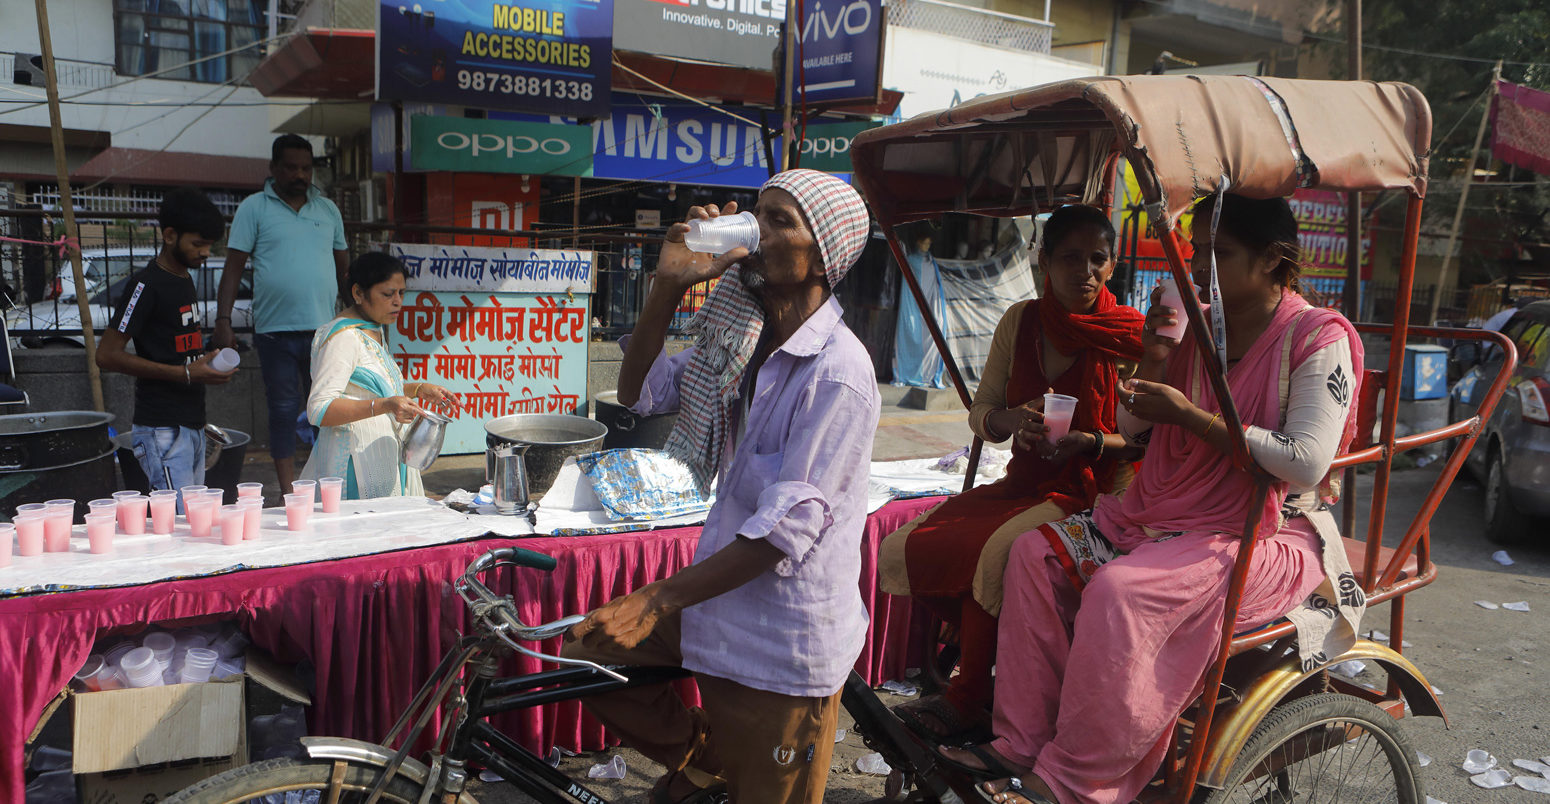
[496, 270]
[539, 55]
[499, 353]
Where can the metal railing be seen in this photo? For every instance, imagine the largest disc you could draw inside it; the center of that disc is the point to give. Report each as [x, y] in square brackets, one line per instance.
[974, 24]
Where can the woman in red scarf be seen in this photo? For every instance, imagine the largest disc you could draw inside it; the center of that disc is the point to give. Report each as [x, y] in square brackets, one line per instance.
[1072, 341]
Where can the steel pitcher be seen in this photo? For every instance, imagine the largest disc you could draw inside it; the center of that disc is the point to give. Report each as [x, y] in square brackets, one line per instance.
[421, 443]
[507, 466]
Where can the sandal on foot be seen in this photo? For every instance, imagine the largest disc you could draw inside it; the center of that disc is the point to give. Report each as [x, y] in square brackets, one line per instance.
[1014, 791]
[934, 718]
[994, 768]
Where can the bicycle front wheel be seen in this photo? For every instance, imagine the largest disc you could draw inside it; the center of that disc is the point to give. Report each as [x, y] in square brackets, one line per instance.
[291, 781]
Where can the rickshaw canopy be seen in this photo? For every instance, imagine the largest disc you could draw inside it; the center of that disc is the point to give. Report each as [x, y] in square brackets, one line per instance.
[1022, 152]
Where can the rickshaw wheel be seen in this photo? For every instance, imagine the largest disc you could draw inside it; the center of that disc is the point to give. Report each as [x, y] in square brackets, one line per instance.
[1324, 748]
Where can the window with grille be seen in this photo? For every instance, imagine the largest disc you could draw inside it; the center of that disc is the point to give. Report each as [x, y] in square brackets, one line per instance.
[155, 35]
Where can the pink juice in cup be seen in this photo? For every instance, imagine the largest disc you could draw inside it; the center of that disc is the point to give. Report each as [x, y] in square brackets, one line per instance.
[164, 511]
[132, 512]
[120, 496]
[330, 490]
[252, 516]
[297, 508]
[201, 512]
[99, 531]
[231, 524]
[245, 490]
[1058, 409]
[307, 487]
[58, 517]
[29, 533]
[1170, 297]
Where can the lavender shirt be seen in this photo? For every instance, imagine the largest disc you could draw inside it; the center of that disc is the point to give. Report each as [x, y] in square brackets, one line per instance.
[797, 479]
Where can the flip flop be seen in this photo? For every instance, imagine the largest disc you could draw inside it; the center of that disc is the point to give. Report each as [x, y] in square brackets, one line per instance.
[934, 718]
[994, 768]
[1014, 791]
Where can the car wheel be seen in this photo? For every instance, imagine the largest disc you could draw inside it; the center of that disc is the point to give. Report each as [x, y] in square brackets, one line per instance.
[1504, 524]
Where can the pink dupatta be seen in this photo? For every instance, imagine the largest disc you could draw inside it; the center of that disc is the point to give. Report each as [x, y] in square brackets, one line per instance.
[1186, 485]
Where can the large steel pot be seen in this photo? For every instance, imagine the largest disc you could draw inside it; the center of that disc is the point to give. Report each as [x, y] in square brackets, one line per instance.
[626, 428]
[552, 437]
[45, 456]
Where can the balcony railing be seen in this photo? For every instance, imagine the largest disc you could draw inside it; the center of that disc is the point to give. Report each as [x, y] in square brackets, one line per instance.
[973, 24]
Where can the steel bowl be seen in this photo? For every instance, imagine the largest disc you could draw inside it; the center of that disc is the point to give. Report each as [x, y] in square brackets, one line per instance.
[551, 438]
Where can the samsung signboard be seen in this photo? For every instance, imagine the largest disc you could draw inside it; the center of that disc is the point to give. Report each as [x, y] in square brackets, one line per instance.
[741, 32]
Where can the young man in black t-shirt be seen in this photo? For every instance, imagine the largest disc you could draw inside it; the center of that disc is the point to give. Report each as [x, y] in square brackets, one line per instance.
[159, 311]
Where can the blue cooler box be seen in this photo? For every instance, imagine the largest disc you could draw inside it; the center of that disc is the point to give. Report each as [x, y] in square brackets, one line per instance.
[1426, 373]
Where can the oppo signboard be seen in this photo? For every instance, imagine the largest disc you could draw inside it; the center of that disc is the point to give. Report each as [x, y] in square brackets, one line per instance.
[500, 146]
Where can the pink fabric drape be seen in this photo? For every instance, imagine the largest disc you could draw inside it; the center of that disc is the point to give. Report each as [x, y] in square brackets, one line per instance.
[374, 627]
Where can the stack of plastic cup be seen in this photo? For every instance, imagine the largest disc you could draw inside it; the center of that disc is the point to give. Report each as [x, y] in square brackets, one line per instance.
[197, 664]
[201, 513]
[229, 645]
[164, 511]
[1058, 410]
[115, 654]
[29, 521]
[7, 536]
[99, 531]
[161, 644]
[185, 493]
[140, 668]
[245, 490]
[88, 674]
[109, 677]
[307, 487]
[231, 524]
[330, 490]
[252, 516]
[132, 511]
[59, 516]
[298, 507]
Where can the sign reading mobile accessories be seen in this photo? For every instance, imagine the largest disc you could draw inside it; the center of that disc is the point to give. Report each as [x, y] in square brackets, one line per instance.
[552, 56]
[500, 146]
[741, 32]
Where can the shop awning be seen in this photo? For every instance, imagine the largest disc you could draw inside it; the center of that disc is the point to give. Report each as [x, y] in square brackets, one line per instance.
[320, 63]
[142, 166]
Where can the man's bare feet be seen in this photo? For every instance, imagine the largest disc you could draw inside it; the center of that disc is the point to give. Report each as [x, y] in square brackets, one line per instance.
[1030, 789]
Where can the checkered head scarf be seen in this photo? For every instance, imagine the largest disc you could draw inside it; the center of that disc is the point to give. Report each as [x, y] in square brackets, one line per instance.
[726, 329]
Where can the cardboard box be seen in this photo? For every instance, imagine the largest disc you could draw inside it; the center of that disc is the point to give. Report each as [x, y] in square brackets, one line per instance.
[136, 746]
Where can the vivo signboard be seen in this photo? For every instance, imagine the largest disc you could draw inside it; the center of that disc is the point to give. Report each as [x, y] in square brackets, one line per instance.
[741, 32]
[550, 55]
[499, 146]
[841, 51]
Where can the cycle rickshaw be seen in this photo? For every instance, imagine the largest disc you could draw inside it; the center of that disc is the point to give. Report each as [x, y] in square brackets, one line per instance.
[1265, 726]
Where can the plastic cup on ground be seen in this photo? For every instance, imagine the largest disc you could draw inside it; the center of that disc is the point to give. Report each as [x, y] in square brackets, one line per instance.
[201, 513]
[197, 664]
[87, 675]
[99, 531]
[1171, 297]
[245, 490]
[330, 490]
[231, 524]
[1058, 409]
[722, 234]
[252, 517]
[140, 668]
[132, 513]
[29, 533]
[7, 537]
[298, 507]
[225, 360]
[164, 511]
[307, 487]
[59, 516]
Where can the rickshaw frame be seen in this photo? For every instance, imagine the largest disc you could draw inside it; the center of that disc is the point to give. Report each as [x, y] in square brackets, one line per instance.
[1029, 151]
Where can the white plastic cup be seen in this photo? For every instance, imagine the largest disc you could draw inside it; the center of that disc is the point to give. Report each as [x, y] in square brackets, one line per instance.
[140, 668]
[1058, 409]
[115, 654]
[187, 492]
[201, 513]
[1170, 297]
[229, 646]
[29, 533]
[99, 531]
[225, 360]
[722, 234]
[307, 487]
[109, 677]
[88, 673]
[106, 504]
[161, 644]
[59, 517]
[298, 507]
[218, 495]
[330, 491]
[252, 517]
[197, 664]
[232, 518]
[246, 490]
[7, 537]
[164, 511]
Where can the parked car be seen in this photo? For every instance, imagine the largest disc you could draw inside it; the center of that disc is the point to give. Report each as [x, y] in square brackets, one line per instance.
[57, 322]
[1512, 457]
[99, 265]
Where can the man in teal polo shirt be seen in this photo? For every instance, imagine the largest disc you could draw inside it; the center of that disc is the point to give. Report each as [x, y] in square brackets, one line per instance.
[295, 240]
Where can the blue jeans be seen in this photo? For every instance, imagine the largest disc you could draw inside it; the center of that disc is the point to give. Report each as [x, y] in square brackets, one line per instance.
[285, 360]
[175, 451]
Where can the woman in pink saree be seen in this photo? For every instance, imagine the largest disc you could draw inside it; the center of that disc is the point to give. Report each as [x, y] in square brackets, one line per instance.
[1112, 616]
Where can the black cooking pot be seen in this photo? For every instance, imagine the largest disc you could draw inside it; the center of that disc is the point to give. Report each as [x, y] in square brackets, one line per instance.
[552, 437]
[45, 456]
[626, 428]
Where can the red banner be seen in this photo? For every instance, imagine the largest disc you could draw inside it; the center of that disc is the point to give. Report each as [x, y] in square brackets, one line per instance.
[1520, 126]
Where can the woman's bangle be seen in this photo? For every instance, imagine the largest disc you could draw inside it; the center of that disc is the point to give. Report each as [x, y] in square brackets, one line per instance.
[1210, 424]
[1099, 452]
[373, 408]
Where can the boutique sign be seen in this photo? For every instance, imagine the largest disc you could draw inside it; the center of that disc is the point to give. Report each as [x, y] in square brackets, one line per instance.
[499, 146]
[549, 55]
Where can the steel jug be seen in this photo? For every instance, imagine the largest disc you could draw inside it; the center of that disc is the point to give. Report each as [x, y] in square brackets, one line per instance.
[421, 443]
[507, 466]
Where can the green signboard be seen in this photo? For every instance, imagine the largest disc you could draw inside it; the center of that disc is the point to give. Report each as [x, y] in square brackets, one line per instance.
[500, 146]
[827, 146]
